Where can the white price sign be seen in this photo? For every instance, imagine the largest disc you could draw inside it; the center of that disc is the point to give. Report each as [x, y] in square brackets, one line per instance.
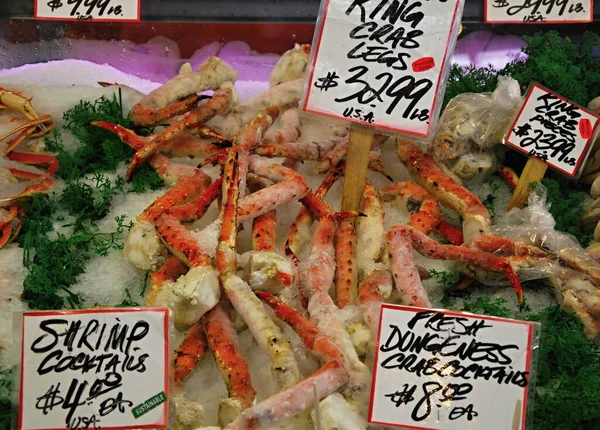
[553, 129]
[538, 12]
[100, 368]
[451, 371]
[382, 63]
[88, 10]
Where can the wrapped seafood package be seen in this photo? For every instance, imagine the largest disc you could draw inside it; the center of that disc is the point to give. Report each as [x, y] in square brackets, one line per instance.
[472, 124]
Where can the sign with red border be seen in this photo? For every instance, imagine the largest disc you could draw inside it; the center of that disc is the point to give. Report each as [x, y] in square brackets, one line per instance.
[436, 369]
[96, 368]
[88, 10]
[382, 64]
[553, 129]
[537, 12]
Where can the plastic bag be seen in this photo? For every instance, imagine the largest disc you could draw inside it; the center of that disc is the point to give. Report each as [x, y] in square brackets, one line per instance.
[472, 121]
[534, 225]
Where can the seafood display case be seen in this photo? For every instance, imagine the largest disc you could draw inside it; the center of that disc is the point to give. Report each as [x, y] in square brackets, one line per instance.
[168, 164]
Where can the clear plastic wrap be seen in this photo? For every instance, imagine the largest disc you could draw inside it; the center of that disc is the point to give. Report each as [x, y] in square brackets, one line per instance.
[108, 367]
[573, 272]
[473, 122]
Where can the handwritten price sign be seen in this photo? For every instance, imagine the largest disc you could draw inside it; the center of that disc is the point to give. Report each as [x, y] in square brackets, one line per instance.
[84, 10]
[538, 11]
[94, 369]
[381, 63]
[451, 371]
[553, 129]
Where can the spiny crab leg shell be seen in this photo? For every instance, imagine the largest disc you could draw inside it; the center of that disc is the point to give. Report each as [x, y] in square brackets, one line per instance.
[226, 255]
[165, 101]
[198, 116]
[424, 208]
[427, 246]
[223, 342]
[190, 352]
[28, 129]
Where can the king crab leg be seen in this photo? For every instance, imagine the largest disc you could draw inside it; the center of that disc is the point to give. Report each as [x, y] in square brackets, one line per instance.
[222, 340]
[319, 271]
[178, 95]
[298, 234]
[301, 151]
[289, 130]
[281, 95]
[327, 380]
[265, 331]
[266, 269]
[170, 172]
[401, 239]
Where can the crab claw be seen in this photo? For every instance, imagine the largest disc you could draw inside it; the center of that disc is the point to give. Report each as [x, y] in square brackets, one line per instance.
[28, 129]
[31, 190]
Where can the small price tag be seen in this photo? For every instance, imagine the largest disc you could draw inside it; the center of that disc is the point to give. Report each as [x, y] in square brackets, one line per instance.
[101, 368]
[538, 11]
[553, 129]
[381, 63]
[88, 10]
[451, 371]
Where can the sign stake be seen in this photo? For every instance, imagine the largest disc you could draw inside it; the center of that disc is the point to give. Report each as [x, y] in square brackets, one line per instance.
[357, 164]
[534, 171]
[317, 408]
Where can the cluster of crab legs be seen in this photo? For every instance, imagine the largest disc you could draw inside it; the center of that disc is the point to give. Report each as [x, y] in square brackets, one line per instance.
[35, 126]
[216, 290]
[198, 275]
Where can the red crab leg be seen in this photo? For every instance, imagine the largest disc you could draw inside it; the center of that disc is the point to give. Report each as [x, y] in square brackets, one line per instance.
[226, 255]
[290, 128]
[181, 242]
[298, 234]
[5, 233]
[250, 136]
[27, 129]
[289, 186]
[196, 208]
[36, 160]
[146, 116]
[333, 157]
[295, 151]
[311, 336]
[269, 337]
[428, 247]
[451, 233]
[263, 226]
[451, 194]
[31, 190]
[223, 342]
[424, 208]
[190, 352]
[510, 176]
[167, 170]
[183, 191]
[327, 380]
[217, 104]
[370, 298]
[189, 145]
